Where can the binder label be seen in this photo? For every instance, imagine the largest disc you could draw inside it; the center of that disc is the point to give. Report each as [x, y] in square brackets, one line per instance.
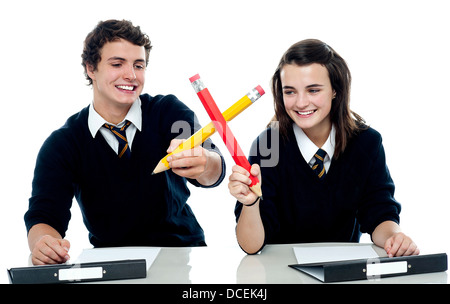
[74, 274]
[377, 269]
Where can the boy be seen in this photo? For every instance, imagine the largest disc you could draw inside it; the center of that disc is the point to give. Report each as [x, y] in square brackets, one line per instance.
[104, 156]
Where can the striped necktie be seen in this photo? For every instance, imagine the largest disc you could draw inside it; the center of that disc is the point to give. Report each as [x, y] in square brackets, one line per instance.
[318, 167]
[119, 133]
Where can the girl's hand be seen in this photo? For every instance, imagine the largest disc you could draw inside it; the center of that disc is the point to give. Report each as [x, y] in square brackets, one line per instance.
[400, 244]
[239, 182]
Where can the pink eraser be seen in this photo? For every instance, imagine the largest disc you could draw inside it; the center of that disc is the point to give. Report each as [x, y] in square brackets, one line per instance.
[260, 90]
[194, 78]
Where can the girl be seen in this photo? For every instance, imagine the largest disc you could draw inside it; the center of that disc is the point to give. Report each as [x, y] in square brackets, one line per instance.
[331, 182]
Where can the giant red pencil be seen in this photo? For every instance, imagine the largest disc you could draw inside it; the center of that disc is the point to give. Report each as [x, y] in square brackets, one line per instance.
[225, 132]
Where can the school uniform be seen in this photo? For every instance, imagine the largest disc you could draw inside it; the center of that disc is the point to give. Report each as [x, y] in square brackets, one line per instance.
[122, 203]
[354, 197]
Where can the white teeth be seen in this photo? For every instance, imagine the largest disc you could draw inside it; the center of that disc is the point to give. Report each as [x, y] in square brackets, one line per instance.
[128, 88]
[305, 113]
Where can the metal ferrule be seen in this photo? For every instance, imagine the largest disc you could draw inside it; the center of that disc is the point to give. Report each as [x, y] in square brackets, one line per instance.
[198, 85]
[253, 95]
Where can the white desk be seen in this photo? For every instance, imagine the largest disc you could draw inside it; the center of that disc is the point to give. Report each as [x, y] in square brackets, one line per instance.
[190, 273]
[230, 265]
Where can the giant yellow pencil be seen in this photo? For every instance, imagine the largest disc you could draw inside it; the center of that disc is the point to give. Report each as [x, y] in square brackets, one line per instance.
[203, 134]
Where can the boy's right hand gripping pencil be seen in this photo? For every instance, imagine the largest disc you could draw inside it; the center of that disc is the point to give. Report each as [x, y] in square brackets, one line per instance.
[224, 131]
[201, 135]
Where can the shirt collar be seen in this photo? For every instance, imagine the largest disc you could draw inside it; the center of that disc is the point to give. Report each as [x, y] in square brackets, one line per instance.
[308, 148]
[95, 121]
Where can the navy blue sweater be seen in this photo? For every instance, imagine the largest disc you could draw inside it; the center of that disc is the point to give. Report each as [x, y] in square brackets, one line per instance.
[122, 203]
[356, 195]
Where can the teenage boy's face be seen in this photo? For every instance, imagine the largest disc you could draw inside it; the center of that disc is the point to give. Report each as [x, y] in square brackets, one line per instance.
[120, 75]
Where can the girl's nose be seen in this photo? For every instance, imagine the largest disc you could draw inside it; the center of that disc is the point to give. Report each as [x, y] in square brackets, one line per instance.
[302, 101]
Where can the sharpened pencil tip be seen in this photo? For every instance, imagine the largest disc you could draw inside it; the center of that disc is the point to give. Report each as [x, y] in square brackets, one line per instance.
[256, 188]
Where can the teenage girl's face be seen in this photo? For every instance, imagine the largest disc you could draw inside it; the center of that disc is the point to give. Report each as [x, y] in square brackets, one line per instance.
[307, 95]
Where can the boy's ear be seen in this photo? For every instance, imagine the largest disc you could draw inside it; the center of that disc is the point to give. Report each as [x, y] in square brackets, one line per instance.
[90, 71]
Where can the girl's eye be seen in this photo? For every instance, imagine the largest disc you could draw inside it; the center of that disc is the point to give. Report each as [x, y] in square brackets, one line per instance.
[117, 65]
[313, 91]
[288, 92]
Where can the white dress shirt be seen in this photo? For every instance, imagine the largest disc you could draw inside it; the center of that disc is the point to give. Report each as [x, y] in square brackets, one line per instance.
[308, 148]
[134, 115]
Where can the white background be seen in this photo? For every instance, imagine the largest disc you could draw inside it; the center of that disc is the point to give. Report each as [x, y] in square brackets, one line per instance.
[398, 53]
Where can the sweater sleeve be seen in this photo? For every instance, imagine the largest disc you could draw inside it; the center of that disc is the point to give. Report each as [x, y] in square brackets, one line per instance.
[52, 190]
[378, 203]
